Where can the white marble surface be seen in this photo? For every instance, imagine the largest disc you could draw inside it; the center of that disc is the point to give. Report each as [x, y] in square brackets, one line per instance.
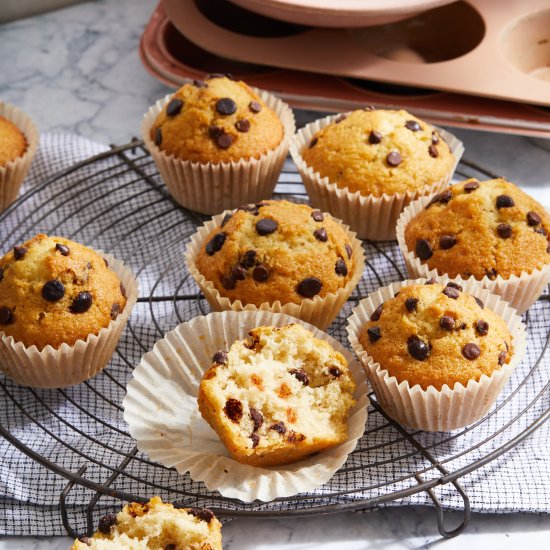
[78, 70]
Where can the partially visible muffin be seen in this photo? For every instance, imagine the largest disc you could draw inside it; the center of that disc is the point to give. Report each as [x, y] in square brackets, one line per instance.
[55, 291]
[433, 335]
[277, 250]
[480, 229]
[277, 396]
[155, 525]
[376, 151]
[216, 120]
[13, 143]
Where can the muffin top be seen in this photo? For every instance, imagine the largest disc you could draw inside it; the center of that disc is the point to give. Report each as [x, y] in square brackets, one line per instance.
[53, 290]
[277, 250]
[479, 229]
[379, 151]
[218, 120]
[12, 141]
[433, 335]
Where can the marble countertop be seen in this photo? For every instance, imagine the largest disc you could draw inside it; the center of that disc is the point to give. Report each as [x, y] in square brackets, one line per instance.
[77, 70]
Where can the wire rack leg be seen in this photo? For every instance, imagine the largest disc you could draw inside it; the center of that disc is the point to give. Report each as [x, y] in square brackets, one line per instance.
[62, 504]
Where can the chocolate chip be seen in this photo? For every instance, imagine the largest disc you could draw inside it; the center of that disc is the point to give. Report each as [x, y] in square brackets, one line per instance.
[293, 437]
[335, 371]
[85, 540]
[1, 274]
[243, 125]
[430, 281]
[105, 523]
[115, 310]
[62, 249]
[279, 427]
[6, 315]
[533, 218]
[541, 231]
[238, 273]
[260, 273]
[255, 107]
[158, 137]
[447, 322]
[228, 282]
[220, 357]
[203, 514]
[445, 196]
[504, 230]
[375, 137]
[82, 303]
[376, 313]
[451, 292]
[215, 244]
[266, 226]
[200, 84]
[313, 142]
[479, 302]
[255, 440]
[301, 375]
[417, 348]
[249, 258]
[340, 118]
[411, 304]
[502, 357]
[226, 106]
[317, 215]
[122, 290]
[374, 334]
[471, 351]
[413, 126]
[435, 138]
[482, 327]
[505, 201]
[224, 141]
[393, 158]
[309, 287]
[433, 152]
[170, 547]
[423, 249]
[470, 186]
[257, 418]
[226, 218]
[348, 250]
[53, 291]
[233, 409]
[454, 285]
[19, 252]
[215, 132]
[174, 107]
[447, 241]
[341, 268]
[321, 234]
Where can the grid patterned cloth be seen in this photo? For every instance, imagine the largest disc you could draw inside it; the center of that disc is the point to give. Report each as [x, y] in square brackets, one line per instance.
[120, 205]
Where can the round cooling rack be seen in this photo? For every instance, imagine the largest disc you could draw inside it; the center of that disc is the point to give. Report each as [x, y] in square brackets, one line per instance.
[116, 202]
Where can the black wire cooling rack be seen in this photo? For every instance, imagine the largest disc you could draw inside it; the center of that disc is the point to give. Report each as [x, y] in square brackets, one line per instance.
[116, 202]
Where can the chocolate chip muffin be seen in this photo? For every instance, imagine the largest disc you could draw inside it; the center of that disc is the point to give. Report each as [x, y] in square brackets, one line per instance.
[277, 251]
[216, 120]
[277, 396]
[55, 291]
[376, 151]
[155, 525]
[13, 143]
[433, 335]
[481, 229]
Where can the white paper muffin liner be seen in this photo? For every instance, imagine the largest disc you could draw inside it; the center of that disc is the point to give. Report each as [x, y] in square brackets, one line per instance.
[69, 365]
[210, 188]
[317, 310]
[370, 217]
[521, 291]
[14, 172]
[436, 410]
[161, 410]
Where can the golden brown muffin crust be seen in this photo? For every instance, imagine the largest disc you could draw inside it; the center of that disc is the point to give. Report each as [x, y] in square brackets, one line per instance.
[277, 250]
[53, 290]
[218, 120]
[433, 335]
[482, 229]
[379, 151]
[12, 141]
